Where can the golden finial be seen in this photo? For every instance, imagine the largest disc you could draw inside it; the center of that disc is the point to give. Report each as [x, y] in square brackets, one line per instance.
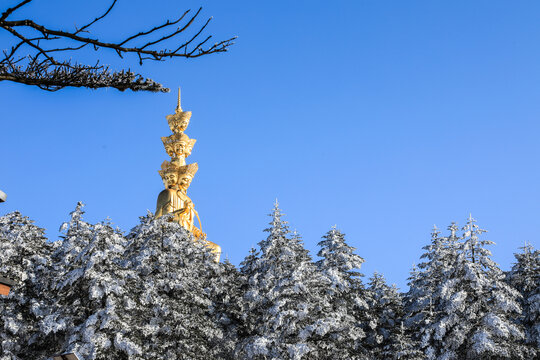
[179, 106]
[179, 121]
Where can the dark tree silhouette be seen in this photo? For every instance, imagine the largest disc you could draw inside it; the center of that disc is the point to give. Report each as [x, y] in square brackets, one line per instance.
[37, 56]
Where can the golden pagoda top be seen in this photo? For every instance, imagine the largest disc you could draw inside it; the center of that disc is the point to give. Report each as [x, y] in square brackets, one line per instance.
[179, 121]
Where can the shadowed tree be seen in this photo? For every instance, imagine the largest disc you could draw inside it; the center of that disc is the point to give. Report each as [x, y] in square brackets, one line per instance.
[386, 306]
[525, 277]
[24, 257]
[47, 56]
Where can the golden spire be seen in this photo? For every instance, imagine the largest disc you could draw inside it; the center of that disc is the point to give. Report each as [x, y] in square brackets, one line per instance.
[177, 177]
[178, 105]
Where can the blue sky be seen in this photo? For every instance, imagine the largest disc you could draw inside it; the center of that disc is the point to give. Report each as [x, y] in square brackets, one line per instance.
[380, 117]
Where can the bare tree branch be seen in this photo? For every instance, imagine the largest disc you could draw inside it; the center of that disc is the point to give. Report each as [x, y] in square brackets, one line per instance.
[39, 66]
[8, 12]
[143, 33]
[97, 19]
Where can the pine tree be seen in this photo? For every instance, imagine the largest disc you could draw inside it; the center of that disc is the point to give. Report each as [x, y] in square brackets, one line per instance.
[525, 277]
[56, 321]
[423, 299]
[280, 299]
[248, 282]
[24, 258]
[91, 288]
[386, 306]
[173, 299]
[477, 307]
[226, 307]
[345, 307]
[402, 346]
[77, 235]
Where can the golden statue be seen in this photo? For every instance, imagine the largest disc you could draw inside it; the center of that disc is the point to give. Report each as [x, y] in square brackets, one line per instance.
[174, 198]
[177, 177]
[178, 146]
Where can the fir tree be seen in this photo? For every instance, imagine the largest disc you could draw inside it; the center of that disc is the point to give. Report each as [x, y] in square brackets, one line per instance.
[91, 288]
[173, 299]
[226, 307]
[477, 307]
[525, 277]
[24, 258]
[248, 282]
[281, 299]
[345, 305]
[77, 235]
[386, 306]
[402, 346]
[423, 299]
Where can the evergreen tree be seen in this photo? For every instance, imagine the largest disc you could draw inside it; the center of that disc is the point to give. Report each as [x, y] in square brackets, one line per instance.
[91, 288]
[248, 281]
[386, 306]
[24, 258]
[280, 299]
[477, 307]
[423, 299]
[77, 235]
[345, 306]
[227, 307]
[177, 276]
[402, 346]
[525, 277]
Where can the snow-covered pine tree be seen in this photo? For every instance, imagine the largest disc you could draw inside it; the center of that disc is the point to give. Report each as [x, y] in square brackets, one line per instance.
[525, 277]
[91, 288]
[248, 282]
[226, 307]
[423, 283]
[423, 299]
[281, 298]
[24, 258]
[173, 308]
[386, 307]
[345, 306]
[77, 235]
[55, 322]
[402, 346]
[477, 307]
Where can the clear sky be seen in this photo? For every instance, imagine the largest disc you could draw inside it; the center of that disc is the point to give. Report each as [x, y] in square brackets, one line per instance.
[382, 117]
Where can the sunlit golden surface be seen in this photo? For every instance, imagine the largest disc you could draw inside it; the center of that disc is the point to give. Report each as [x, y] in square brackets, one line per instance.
[177, 176]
